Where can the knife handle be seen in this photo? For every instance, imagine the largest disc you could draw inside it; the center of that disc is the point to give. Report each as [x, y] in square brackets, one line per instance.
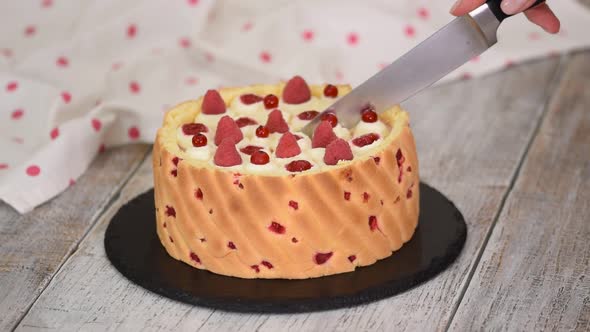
[494, 6]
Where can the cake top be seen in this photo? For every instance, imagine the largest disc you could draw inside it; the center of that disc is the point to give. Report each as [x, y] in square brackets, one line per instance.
[250, 132]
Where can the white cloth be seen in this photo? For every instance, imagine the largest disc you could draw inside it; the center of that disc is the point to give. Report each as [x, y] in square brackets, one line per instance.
[76, 76]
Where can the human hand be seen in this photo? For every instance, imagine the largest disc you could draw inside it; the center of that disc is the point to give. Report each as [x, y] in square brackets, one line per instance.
[541, 15]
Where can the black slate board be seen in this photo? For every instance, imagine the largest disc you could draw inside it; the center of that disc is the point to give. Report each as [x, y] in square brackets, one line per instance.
[133, 247]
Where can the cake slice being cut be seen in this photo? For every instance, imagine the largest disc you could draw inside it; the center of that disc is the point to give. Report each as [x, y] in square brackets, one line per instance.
[240, 191]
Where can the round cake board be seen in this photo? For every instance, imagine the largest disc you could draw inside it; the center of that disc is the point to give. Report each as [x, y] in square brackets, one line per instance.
[133, 247]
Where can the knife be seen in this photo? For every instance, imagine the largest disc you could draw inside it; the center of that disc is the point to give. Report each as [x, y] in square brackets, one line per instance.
[456, 43]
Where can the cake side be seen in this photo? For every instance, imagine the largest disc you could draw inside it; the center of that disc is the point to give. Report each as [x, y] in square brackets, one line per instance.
[289, 226]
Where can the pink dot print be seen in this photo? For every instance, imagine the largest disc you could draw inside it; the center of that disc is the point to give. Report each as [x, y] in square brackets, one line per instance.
[133, 133]
[46, 3]
[33, 170]
[409, 31]
[54, 133]
[247, 26]
[66, 97]
[423, 13]
[191, 81]
[131, 31]
[96, 124]
[265, 57]
[72, 182]
[62, 61]
[30, 30]
[185, 42]
[134, 87]
[307, 35]
[3, 166]
[6, 52]
[193, 2]
[17, 114]
[11, 86]
[352, 39]
[101, 148]
[116, 66]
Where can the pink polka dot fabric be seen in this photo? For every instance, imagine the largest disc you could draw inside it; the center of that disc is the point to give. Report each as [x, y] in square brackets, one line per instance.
[78, 77]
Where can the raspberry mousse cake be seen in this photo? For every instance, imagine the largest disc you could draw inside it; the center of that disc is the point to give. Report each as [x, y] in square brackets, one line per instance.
[241, 191]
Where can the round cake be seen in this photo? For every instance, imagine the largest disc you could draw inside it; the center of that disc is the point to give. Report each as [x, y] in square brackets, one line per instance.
[241, 191]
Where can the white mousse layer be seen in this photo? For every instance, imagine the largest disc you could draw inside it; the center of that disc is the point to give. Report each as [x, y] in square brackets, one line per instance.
[237, 109]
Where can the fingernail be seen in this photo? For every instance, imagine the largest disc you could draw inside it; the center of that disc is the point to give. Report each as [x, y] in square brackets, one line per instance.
[512, 7]
[456, 5]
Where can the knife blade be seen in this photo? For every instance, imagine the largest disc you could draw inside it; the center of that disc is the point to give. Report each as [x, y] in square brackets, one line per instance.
[450, 47]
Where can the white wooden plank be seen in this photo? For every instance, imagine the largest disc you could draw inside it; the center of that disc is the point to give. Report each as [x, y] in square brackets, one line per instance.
[535, 273]
[33, 246]
[471, 137]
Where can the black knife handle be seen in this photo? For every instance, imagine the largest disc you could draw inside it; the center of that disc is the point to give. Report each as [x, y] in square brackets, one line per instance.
[494, 6]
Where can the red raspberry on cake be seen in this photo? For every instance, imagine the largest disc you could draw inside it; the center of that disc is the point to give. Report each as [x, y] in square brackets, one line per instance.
[296, 91]
[337, 150]
[287, 146]
[228, 129]
[227, 155]
[276, 123]
[323, 135]
[213, 103]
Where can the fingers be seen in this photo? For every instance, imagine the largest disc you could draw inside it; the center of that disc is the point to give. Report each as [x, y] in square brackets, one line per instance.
[511, 7]
[541, 15]
[545, 18]
[462, 7]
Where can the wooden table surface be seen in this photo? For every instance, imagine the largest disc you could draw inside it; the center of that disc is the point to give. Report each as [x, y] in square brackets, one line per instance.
[511, 149]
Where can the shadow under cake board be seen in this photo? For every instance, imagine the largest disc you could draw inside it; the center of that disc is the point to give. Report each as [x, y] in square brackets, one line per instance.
[133, 247]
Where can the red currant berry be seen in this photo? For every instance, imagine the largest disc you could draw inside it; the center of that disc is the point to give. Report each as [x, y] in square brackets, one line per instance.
[259, 158]
[262, 131]
[331, 117]
[271, 101]
[199, 140]
[369, 116]
[331, 91]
